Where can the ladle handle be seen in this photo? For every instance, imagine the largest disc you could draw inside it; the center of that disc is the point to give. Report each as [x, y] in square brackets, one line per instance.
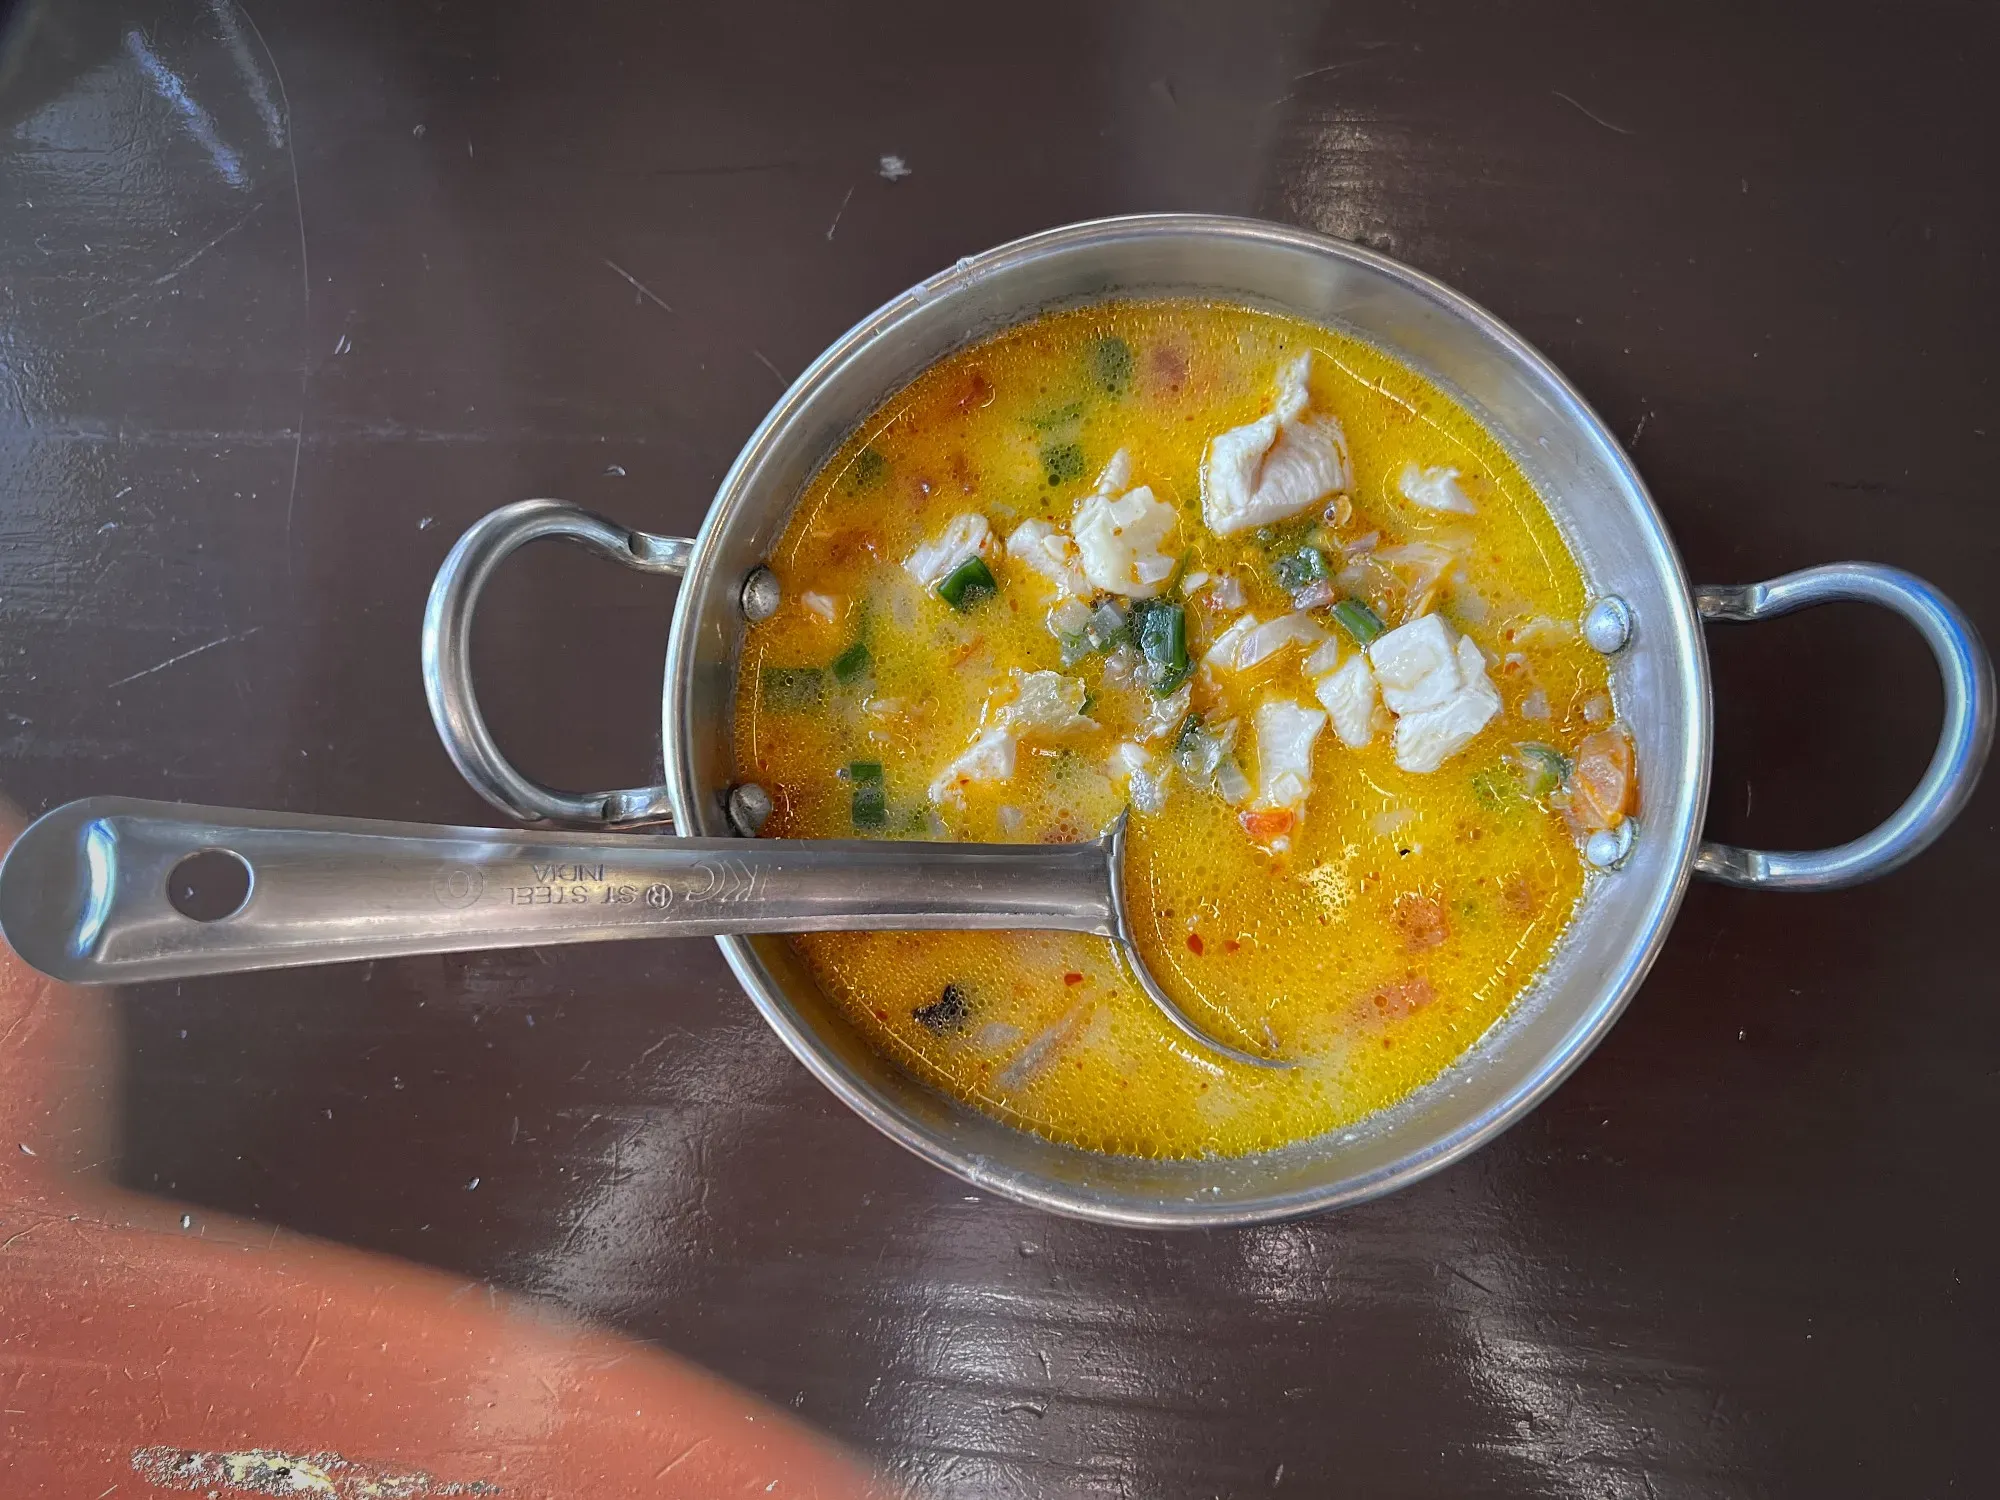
[113, 890]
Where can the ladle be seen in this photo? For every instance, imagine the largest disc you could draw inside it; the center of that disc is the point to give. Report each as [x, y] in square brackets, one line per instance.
[112, 890]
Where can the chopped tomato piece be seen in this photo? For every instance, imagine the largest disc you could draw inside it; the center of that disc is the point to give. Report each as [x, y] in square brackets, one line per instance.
[851, 545]
[1422, 921]
[1402, 997]
[973, 391]
[1604, 787]
[1268, 823]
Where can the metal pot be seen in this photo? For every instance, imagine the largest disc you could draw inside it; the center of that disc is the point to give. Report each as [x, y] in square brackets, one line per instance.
[1660, 676]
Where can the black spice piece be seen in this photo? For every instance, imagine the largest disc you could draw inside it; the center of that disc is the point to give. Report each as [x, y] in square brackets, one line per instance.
[946, 1013]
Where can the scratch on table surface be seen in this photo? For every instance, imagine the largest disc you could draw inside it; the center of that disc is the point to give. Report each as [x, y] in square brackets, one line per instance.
[838, 212]
[686, 1454]
[1591, 113]
[176, 270]
[313, 1343]
[1468, 1279]
[221, 640]
[766, 363]
[639, 286]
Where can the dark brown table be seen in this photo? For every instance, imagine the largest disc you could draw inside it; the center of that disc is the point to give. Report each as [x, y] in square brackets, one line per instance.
[288, 297]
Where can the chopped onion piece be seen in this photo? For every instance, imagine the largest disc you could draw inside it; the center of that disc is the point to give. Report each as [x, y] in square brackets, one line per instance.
[1434, 489]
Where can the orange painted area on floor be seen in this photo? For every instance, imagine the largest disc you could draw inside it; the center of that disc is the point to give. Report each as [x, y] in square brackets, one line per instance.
[144, 1353]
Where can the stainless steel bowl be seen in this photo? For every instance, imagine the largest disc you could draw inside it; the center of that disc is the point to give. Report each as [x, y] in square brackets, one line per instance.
[1660, 677]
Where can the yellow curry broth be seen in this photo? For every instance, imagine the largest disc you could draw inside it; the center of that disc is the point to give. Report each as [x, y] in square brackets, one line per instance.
[1409, 911]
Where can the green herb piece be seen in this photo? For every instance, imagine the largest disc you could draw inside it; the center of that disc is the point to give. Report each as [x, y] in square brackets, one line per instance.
[1111, 365]
[792, 690]
[967, 584]
[1057, 416]
[853, 662]
[946, 1013]
[1543, 768]
[1062, 462]
[871, 805]
[1294, 570]
[1160, 628]
[871, 796]
[1490, 791]
[868, 470]
[1287, 535]
[1359, 621]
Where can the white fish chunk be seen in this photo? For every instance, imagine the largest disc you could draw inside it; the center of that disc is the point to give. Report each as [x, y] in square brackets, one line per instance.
[966, 536]
[1116, 474]
[1045, 706]
[1435, 489]
[1427, 738]
[1247, 640]
[1285, 735]
[1165, 715]
[1048, 551]
[1348, 695]
[1276, 466]
[824, 605]
[1132, 767]
[990, 757]
[1120, 539]
[1416, 665]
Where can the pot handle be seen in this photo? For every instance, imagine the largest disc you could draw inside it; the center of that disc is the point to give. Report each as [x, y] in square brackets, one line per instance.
[1962, 746]
[447, 658]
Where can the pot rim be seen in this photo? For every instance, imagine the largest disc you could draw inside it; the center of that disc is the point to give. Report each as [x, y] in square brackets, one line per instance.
[1656, 916]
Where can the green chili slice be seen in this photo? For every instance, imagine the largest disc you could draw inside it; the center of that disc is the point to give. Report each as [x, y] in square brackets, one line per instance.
[1359, 621]
[967, 584]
